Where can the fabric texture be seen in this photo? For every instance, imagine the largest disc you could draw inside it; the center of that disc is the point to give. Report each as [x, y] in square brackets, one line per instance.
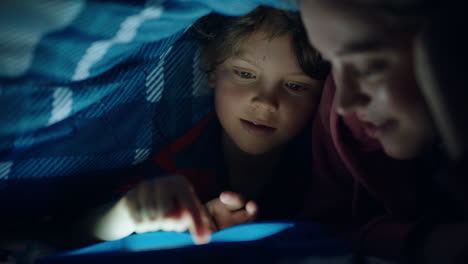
[95, 86]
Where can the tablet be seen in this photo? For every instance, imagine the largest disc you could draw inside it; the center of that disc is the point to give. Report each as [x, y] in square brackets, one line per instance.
[247, 241]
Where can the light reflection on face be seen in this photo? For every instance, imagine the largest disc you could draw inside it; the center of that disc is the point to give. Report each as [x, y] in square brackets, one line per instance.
[374, 76]
[263, 98]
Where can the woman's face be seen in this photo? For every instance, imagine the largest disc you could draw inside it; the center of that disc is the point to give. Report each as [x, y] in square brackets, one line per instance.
[374, 75]
[263, 98]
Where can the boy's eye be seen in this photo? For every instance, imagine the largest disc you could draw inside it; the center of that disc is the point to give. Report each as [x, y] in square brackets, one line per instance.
[296, 87]
[244, 74]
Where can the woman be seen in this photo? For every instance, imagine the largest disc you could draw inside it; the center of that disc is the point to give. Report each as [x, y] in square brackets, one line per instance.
[373, 47]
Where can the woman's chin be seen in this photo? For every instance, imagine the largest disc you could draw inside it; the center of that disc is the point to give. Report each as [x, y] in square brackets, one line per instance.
[400, 151]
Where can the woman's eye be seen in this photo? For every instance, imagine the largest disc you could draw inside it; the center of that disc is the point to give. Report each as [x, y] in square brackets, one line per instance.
[296, 87]
[371, 69]
[244, 75]
[366, 72]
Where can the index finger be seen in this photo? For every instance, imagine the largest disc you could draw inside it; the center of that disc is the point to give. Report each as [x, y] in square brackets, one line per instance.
[200, 224]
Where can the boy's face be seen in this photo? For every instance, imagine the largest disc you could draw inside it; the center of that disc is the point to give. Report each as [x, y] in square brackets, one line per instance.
[263, 99]
[373, 71]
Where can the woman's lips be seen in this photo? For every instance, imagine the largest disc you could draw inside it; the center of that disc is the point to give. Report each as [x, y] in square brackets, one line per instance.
[257, 129]
[375, 131]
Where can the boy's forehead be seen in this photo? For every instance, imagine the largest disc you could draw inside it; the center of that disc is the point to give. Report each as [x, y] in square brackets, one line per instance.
[261, 42]
[250, 57]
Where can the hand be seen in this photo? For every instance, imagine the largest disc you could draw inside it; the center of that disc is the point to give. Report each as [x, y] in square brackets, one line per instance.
[230, 209]
[168, 203]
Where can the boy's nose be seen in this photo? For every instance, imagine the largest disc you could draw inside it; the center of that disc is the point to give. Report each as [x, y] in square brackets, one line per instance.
[266, 100]
[265, 106]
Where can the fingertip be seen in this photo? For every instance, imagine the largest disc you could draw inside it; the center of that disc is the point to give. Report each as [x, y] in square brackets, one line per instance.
[251, 208]
[202, 238]
[225, 197]
[233, 200]
[199, 227]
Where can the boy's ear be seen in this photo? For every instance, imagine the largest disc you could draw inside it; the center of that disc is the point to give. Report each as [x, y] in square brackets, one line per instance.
[211, 80]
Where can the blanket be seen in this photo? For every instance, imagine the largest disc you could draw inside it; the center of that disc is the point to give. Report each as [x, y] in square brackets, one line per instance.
[96, 85]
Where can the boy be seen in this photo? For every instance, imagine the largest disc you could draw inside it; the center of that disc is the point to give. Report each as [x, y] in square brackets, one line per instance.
[267, 82]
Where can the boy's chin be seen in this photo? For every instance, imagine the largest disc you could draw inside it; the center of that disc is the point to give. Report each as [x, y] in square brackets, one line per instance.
[256, 150]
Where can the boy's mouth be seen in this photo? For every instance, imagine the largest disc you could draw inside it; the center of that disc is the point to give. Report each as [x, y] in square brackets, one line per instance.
[256, 128]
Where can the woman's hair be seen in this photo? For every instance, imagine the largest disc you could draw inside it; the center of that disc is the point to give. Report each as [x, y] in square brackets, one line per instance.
[221, 36]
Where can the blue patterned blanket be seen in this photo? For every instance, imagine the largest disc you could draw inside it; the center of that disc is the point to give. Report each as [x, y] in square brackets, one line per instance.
[96, 85]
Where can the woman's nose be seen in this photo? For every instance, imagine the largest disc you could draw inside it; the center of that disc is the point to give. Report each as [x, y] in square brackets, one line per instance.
[348, 94]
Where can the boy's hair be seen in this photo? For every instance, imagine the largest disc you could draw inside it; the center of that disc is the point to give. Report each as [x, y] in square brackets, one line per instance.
[220, 37]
